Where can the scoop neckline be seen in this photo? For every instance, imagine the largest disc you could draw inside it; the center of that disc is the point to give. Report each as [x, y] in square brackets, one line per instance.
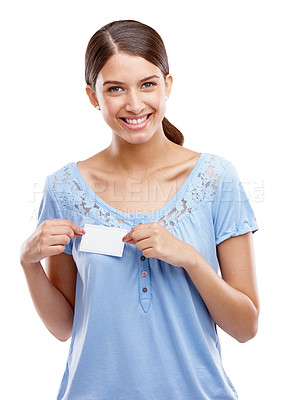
[138, 215]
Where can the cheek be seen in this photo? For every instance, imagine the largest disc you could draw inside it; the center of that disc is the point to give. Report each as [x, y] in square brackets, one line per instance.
[159, 104]
[155, 100]
[110, 107]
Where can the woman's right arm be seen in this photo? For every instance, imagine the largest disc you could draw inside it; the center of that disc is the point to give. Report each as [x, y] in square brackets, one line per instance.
[53, 293]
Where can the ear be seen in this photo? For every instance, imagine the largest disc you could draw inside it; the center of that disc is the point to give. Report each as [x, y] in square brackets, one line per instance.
[92, 95]
[168, 84]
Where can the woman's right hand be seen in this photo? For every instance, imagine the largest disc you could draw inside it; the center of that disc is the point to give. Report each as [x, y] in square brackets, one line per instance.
[48, 239]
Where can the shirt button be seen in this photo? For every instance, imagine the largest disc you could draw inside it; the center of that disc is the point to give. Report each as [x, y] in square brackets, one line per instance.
[142, 258]
[144, 273]
[144, 290]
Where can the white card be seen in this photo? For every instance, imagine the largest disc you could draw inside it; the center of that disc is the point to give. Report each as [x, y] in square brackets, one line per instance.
[103, 240]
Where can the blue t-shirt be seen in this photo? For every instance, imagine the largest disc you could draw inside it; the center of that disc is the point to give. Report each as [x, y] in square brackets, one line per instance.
[141, 330]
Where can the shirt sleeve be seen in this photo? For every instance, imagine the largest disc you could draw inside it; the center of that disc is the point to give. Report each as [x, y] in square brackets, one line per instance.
[50, 209]
[232, 211]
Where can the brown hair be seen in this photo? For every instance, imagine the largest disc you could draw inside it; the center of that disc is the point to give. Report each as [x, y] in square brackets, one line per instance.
[133, 38]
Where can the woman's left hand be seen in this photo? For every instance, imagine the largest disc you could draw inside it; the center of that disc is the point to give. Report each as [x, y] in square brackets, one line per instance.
[156, 241]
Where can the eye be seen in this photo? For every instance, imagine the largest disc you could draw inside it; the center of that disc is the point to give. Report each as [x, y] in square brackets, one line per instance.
[149, 84]
[114, 89]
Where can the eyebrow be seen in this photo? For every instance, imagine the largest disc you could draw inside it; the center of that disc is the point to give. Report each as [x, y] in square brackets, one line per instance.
[121, 83]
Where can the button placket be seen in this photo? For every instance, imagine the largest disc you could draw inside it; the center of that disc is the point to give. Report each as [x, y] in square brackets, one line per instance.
[144, 277]
[145, 295]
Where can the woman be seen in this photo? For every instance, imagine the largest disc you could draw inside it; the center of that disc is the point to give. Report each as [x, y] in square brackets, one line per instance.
[143, 325]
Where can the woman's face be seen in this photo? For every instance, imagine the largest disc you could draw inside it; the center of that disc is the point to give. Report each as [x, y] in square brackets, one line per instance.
[131, 93]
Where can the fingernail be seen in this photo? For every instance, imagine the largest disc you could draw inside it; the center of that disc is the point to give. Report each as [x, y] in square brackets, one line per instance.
[123, 238]
[82, 230]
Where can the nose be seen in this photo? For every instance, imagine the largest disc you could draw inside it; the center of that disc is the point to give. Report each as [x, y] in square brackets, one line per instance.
[135, 102]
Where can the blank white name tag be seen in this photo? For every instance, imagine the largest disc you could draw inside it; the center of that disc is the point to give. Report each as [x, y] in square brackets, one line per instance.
[103, 240]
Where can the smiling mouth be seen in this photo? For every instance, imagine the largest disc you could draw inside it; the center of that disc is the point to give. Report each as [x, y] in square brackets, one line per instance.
[136, 121]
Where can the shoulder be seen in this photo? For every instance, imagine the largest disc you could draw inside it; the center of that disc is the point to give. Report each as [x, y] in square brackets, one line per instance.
[213, 169]
[209, 163]
[216, 164]
[64, 188]
[221, 178]
[61, 178]
[210, 176]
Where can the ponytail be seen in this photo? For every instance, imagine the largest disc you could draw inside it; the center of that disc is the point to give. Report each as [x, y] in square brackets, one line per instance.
[172, 133]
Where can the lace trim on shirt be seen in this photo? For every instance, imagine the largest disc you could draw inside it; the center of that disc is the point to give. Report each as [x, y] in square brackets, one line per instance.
[199, 190]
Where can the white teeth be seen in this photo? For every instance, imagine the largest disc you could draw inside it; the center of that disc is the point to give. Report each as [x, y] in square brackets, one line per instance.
[136, 121]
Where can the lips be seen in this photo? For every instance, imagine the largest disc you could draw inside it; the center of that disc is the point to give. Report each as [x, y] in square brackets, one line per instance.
[135, 120]
[135, 123]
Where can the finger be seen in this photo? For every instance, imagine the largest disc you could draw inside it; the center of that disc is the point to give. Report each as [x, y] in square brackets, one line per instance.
[137, 235]
[54, 250]
[58, 239]
[63, 230]
[128, 237]
[131, 241]
[149, 225]
[78, 231]
[144, 244]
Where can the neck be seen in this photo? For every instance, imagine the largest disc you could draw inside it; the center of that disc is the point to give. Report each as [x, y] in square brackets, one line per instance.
[137, 159]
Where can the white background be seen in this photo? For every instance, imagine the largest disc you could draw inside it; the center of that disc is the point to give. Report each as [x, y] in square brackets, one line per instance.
[232, 95]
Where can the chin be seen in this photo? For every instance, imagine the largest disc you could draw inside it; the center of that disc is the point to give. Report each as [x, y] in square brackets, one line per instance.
[137, 139]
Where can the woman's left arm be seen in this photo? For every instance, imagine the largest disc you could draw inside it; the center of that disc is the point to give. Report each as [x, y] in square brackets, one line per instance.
[232, 300]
